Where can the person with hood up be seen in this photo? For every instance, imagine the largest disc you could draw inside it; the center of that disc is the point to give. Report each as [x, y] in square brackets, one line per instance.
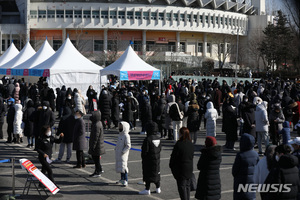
[127, 114]
[105, 108]
[262, 125]
[168, 120]
[44, 148]
[66, 126]
[181, 163]
[193, 122]
[91, 94]
[285, 172]
[10, 119]
[122, 152]
[159, 115]
[3, 110]
[243, 167]
[96, 142]
[28, 128]
[151, 149]
[79, 142]
[209, 182]
[11, 88]
[135, 107]
[211, 116]
[18, 132]
[286, 133]
[276, 119]
[51, 98]
[146, 111]
[62, 100]
[79, 101]
[169, 91]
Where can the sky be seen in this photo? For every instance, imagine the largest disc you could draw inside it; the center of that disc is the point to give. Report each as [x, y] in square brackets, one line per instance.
[273, 5]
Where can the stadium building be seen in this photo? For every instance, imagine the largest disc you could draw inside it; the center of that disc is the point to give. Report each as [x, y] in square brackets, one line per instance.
[186, 30]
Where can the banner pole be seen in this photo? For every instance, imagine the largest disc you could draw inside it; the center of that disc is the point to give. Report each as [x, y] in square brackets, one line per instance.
[13, 176]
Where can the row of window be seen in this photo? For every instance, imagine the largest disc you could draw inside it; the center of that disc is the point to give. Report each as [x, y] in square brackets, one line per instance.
[132, 15]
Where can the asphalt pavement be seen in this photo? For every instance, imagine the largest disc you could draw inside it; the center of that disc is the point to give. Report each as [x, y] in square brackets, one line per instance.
[76, 184]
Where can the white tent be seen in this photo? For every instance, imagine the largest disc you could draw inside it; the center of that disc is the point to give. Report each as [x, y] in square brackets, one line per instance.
[131, 67]
[26, 53]
[9, 54]
[41, 55]
[70, 68]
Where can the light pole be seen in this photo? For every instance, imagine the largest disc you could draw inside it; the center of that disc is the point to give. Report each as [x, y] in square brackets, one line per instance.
[237, 52]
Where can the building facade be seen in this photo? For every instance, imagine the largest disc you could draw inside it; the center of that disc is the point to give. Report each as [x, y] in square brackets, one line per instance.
[181, 28]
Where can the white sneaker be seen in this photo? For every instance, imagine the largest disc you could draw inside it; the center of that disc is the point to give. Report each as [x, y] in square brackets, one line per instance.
[124, 183]
[145, 192]
[158, 190]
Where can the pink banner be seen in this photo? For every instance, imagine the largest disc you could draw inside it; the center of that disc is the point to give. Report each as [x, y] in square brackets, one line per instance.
[8, 72]
[46, 73]
[26, 72]
[140, 75]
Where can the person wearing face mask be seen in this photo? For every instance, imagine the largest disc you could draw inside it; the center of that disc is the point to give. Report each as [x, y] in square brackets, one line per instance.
[96, 142]
[122, 152]
[79, 142]
[262, 125]
[70, 101]
[10, 119]
[45, 116]
[246, 112]
[285, 172]
[44, 148]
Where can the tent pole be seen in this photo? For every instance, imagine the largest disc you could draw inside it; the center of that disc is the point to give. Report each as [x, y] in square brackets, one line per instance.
[159, 82]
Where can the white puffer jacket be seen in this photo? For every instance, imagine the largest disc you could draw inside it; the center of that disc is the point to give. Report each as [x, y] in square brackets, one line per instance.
[211, 116]
[18, 119]
[122, 149]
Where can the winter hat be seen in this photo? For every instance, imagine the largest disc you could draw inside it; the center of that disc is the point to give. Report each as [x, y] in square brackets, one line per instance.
[210, 141]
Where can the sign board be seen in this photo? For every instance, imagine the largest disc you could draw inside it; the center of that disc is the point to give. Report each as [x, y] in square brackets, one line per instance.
[27, 164]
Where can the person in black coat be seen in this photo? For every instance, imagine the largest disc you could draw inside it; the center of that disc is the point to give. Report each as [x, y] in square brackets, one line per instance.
[146, 113]
[57, 101]
[51, 98]
[44, 148]
[115, 110]
[181, 163]
[62, 100]
[10, 119]
[229, 125]
[79, 141]
[91, 94]
[193, 123]
[243, 167]
[3, 110]
[160, 116]
[96, 144]
[151, 149]
[128, 113]
[105, 108]
[66, 126]
[209, 182]
[285, 172]
[247, 113]
[45, 116]
[28, 129]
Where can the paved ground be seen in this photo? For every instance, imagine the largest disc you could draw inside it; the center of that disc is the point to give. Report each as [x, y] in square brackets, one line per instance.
[76, 184]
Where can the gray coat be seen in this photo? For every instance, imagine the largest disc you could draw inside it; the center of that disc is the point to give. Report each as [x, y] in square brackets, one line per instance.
[79, 142]
[261, 117]
[168, 120]
[96, 144]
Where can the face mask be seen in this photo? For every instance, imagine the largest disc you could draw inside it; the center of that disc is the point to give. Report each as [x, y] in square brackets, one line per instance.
[69, 97]
[9, 103]
[277, 158]
[48, 134]
[246, 100]
[45, 107]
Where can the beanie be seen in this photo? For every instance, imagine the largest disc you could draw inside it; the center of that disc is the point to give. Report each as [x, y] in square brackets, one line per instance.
[210, 141]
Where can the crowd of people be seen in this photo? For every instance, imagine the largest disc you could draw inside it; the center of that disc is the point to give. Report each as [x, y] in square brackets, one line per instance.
[260, 112]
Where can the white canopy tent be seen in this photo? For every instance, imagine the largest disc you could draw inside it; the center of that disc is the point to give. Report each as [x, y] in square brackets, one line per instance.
[131, 67]
[41, 55]
[26, 53]
[9, 54]
[70, 68]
